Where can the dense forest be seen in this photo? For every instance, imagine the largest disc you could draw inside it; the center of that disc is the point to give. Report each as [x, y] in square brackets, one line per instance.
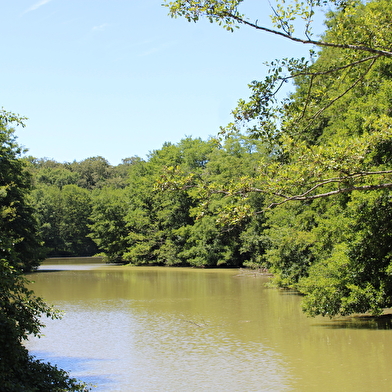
[122, 212]
[299, 186]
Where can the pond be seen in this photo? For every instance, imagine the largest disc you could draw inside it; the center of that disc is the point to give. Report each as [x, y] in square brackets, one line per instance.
[183, 329]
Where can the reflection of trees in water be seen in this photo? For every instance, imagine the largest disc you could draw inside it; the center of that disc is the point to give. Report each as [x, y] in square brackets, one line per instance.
[361, 322]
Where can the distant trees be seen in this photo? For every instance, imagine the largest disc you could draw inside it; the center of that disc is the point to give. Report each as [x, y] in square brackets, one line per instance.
[108, 224]
[62, 197]
[131, 220]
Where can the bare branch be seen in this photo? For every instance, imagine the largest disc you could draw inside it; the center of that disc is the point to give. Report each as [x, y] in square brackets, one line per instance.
[335, 69]
[342, 94]
[306, 196]
[335, 192]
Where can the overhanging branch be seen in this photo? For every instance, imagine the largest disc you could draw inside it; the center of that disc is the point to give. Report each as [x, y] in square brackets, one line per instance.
[385, 53]
[335, 192]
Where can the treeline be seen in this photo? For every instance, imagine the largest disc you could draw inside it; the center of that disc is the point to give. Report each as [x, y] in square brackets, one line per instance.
[121, 212]
[63, 199]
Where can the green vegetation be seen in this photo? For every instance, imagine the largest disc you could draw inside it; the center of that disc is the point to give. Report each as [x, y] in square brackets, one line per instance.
[20, 251]
[131, 220]
[328, 171]
[299, 186]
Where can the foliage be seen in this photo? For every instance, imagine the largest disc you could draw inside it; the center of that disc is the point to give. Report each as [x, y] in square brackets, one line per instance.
[326, 176]
[18, 239]
[356, 276]
[143, 225]
[299, 185]
[337, 150]
[156, 221]
[64, 218]
[20, 309]
[63, 199]
[108, 227]
[286, 15]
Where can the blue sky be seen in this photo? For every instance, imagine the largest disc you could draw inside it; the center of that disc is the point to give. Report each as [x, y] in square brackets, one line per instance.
[118, 78]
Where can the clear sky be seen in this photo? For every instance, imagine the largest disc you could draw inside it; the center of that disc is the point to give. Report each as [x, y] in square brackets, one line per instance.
[118, 78]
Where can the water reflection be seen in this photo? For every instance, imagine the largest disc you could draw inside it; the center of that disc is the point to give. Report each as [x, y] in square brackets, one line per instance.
[79, 366]
[71, 264]
[162, 329]
[362, 322]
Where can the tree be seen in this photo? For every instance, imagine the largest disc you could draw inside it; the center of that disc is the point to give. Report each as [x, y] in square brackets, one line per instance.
[18, 239]
[63, 215]
[207, 236]
[20, 309]
[75, 220]
[48, 209]
[358, 40]
[142, 225]
[331, 138]
[92, 172]
[63, 201]
[108, 227]
[155, 220]
[49, 172]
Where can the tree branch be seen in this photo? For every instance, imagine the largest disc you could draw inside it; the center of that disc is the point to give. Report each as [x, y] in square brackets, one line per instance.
[335, 192]
[305, 195]
[380, 52]
[342, 94]
[335, 69]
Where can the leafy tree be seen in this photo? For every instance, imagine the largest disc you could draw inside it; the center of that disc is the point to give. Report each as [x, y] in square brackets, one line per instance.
[108, 227]
[358, 40]
[64, 218]
[75, 220]
[331, 137]
[20, 309]
[142, 225]
[355, 276]
[341, 150]
[92, 172]
[154, 218]
[49, 172]
[118, 175]
[18, 239]
[48, 203]
[208, 239]
[63, 200]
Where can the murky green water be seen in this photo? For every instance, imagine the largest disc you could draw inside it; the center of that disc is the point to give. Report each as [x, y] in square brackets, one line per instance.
[168, 329]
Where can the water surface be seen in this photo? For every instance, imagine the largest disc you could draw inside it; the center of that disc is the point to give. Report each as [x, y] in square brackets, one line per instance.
[183, 329]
